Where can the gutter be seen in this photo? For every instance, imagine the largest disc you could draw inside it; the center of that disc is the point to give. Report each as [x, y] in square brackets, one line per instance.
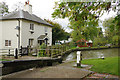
[19, 33]
[29, 20]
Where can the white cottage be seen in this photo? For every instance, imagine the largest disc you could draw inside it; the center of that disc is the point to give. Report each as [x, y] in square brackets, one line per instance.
[22, 28]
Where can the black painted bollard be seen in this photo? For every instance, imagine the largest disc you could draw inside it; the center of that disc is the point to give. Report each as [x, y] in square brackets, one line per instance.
[16, 54]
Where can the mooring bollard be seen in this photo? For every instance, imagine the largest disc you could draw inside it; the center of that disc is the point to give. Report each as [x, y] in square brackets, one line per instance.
[78, 59]
[16, 53]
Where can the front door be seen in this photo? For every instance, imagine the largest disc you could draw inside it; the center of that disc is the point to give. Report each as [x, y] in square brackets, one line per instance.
[40, 42]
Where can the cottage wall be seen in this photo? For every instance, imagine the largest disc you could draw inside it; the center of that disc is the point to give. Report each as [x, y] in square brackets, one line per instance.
[9, 33]
[0, 34]
[38, 30]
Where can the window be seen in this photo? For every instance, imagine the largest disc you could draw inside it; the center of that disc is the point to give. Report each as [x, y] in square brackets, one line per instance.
[31, 42]
[31, 26]
[46, 28]
[7, 42]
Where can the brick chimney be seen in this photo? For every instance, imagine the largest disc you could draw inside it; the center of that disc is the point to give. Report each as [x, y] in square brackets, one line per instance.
[28, 7]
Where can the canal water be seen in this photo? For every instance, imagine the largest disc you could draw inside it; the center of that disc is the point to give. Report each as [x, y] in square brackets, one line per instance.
[93, 54]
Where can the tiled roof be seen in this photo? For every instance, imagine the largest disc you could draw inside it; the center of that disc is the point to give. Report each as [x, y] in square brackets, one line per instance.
[24, 15]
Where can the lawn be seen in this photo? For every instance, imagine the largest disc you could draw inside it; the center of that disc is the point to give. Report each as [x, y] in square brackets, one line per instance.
[108, 65]
[4, 60]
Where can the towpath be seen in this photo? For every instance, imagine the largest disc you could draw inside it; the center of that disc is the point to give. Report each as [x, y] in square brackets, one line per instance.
[64, 70]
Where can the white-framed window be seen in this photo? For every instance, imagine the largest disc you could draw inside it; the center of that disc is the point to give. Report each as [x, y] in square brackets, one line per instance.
[7, 42]
[31, 26]
[31, 42]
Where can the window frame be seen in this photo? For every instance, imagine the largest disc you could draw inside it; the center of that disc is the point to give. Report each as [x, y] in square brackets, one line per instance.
[46, 29]
[31, 41]
[8, 43]
[32, 26]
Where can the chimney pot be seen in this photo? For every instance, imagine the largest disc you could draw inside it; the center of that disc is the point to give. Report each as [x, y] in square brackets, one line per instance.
[28, 7]
[28, 1]
[25, 2]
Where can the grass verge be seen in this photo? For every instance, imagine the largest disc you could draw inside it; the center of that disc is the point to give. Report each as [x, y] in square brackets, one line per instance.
[4, 60]
[108, 65]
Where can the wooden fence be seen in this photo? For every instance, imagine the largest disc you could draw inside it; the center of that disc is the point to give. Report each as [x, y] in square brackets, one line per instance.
[8, 52]
[50, 51]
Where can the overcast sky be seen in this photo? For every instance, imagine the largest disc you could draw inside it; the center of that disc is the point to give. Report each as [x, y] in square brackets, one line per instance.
[44, 9]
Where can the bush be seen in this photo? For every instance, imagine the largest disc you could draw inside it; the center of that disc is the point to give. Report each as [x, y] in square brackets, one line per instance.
[42, 52]
[43, 46]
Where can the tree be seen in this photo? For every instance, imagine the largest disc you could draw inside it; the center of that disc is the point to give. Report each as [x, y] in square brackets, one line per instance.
[18, 6]
[3, 8]
[117, 21]
[57, 32]
[112, 31]
[83, 17]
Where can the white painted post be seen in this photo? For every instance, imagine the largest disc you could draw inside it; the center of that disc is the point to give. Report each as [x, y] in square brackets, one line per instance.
[78, 58]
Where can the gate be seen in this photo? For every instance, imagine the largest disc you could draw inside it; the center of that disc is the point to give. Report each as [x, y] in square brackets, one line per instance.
[24, 51]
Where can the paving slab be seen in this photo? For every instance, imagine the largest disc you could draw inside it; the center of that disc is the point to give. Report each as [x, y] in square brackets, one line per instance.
[60, 71]
[98, 75]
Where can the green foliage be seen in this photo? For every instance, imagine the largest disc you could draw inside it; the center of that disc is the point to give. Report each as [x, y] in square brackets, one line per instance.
[3, 8]
[43, 46]
[108, 65]
[112, 31]
[99, 41]
[57, 32]
[117, 21]
[83, 17]
[115, 39]
[41, 53]
[4, 60]
[72, 44]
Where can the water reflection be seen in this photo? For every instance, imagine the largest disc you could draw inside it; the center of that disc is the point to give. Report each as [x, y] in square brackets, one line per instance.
[95, 54]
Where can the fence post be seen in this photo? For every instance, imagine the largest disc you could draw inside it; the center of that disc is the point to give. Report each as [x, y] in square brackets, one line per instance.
[27, 50]
[36, 51]
[55, 50]
[16, 53]
[63, 48]
[9, 51]
[43, 52]
[51, 51]
[46, 51]
[58, 50]
[21, 50]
